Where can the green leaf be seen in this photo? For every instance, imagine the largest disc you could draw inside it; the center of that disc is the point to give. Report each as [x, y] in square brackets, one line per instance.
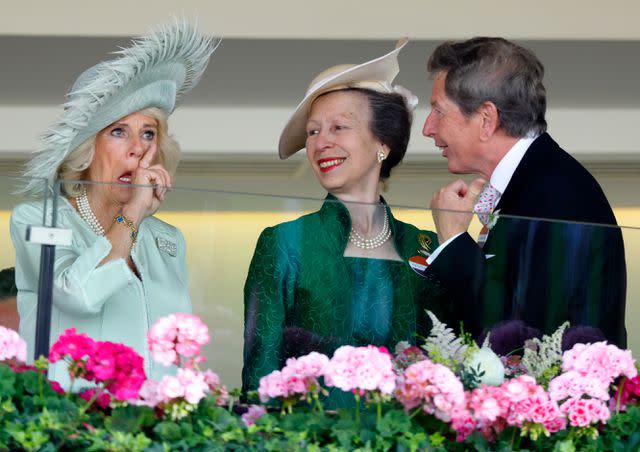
[564, 446]
[634, 441]
[436, 439]
[413, 441]
[344, 431]
[129, 419]
[365, 436]
[67, 410]
[393, 422]
[168, 431]
[7, 381]
[28, 380]
[222, 421]
[28, 436]
[318, 425]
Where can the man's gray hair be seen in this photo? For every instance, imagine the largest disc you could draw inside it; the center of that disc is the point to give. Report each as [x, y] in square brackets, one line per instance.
[499, 71]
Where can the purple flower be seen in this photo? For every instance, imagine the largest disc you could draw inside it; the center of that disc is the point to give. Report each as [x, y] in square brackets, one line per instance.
[581, 334]
[509, 336]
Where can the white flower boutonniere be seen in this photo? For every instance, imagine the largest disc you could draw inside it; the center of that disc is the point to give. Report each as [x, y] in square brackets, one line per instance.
[493, 219]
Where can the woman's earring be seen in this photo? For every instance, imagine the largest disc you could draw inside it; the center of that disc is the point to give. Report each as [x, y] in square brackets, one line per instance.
[381, 156]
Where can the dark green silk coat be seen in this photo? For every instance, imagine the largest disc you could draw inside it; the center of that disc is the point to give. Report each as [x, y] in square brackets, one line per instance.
[300, 295]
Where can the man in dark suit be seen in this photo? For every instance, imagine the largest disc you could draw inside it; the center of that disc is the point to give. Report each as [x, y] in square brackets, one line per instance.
[488, 117]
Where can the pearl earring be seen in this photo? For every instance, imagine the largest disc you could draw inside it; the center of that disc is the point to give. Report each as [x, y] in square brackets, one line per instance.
[381, 156]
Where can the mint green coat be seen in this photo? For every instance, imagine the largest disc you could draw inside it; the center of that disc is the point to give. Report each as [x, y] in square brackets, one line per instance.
[108, 302]
[303, 295]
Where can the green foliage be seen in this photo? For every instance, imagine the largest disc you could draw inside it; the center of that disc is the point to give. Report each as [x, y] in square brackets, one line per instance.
[130, 419]
[543, 355]
[444, 347]
[548, 374]
[7, 381]
[471, 377]
[35, 418]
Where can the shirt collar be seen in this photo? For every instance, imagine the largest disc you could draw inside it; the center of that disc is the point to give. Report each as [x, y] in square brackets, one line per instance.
[508, 164]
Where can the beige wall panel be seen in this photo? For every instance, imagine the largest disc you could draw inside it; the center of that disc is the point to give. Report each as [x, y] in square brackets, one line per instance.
[332, 19]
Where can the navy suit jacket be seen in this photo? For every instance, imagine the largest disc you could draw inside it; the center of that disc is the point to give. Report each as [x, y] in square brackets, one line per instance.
[544, 272]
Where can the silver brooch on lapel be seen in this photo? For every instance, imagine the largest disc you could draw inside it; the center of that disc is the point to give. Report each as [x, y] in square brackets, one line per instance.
[167, 246]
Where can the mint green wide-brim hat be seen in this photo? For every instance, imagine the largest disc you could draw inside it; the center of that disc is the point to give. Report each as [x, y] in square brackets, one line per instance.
[155, 71]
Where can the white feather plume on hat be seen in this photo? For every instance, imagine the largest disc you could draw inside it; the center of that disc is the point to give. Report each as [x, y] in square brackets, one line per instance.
[154, 72]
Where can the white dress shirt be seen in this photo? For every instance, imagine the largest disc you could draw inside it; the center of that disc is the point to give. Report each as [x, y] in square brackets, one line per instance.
[500, 179]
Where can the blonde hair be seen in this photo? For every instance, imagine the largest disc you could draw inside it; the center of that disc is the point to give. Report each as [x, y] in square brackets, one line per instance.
[73, 170]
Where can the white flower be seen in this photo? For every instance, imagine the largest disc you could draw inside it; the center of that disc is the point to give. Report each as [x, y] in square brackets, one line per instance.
[486, 360]
[409, 98]
[493, 218]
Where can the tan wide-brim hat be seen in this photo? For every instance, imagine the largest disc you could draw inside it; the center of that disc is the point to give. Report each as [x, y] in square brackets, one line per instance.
[377, 75]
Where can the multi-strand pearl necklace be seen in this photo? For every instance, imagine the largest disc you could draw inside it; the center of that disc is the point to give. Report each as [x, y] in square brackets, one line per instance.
[87, 214]
[375, 242]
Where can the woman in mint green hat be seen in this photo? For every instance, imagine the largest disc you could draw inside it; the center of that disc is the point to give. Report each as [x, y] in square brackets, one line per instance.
[124, 268]
[350, 273]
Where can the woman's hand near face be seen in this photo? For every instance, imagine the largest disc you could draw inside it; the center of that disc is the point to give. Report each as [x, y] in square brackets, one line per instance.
[145, 200]
[152, 183]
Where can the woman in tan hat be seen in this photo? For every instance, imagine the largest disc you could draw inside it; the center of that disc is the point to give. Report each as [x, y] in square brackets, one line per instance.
[113, 156]
[349, 273]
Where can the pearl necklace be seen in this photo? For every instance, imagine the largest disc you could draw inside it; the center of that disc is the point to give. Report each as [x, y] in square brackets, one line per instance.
[375, 242]
[84, 209]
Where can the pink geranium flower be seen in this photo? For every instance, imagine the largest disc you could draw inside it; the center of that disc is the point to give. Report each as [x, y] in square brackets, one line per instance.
[488, 404]
[103, 400]
[116, 366]
[272, 386]
[178, 335]
[72, 344]
[148, 394]
[361, 369]
[216, 387]
[603, 361]
[127, 375]
[432, 386]
[189, 385]
[515, 402]
[12, 346]
[194, 384]
[253, 414]
[170, 388]
[627, 392]
[298, 377]
[309, 366]
[575, 385]
[463, 423]
[583, 412]
[589, 371]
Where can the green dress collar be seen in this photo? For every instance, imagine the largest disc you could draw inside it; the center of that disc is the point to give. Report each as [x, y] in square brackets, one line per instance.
[336, 223]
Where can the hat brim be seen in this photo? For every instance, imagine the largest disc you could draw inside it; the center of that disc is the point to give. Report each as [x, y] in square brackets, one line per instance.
[380, 71]
[155, 71]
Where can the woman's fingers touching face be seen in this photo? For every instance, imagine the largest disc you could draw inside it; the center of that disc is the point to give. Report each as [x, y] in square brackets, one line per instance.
[147, 158]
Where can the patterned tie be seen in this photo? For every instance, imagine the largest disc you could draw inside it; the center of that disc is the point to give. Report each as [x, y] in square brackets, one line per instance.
[486, 203]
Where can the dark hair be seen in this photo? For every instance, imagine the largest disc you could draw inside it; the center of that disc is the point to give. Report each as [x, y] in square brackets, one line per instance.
[8, 283]
[390, 123]
[496, 70]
